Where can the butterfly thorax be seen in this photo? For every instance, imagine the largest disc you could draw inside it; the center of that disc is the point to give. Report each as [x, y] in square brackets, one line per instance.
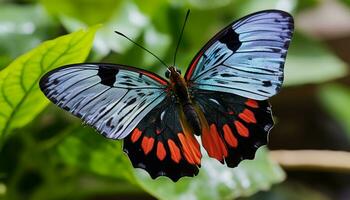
[179, 86]
[180, 89]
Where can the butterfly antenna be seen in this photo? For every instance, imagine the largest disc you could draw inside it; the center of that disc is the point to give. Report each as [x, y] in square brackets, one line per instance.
[182, 31]
[121, 34]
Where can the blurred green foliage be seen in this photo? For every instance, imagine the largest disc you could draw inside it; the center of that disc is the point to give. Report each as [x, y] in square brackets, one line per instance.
[46, 154]
[335, 98]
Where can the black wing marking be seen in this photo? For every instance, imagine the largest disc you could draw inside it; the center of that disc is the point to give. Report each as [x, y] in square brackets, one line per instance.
[160, 145]
[237, 126]
[111, 98]
[246, 58]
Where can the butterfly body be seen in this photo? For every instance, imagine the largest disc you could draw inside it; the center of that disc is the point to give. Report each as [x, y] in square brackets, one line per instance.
[222, 98]
[179, 87]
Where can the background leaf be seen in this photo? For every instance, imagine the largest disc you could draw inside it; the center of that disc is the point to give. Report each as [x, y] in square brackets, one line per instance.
[90, 12]
[335, 98]
[308, 61]
[125, 18]
[88, 150]
[20, 97]
[26, 25]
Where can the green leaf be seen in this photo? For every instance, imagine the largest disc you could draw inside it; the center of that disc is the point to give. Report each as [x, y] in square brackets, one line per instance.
[20, 97]
[309, 61]
[216, 181]
[86, 149]
[335, 98]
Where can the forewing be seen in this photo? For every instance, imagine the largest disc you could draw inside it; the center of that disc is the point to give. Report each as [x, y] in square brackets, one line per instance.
[235, 126]
[246, 58]
[111, 98]
[161, 145]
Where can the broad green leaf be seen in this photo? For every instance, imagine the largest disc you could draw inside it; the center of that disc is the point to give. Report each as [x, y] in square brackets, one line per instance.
[335, 98]
[22, 27]
[86, 149]
[309, 61]
[216, 181]
[20, 96]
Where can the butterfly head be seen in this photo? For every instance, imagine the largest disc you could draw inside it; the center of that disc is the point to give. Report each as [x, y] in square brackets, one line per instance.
[172, 72]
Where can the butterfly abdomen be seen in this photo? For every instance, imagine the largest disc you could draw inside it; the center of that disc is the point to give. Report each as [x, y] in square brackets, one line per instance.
[192, 118]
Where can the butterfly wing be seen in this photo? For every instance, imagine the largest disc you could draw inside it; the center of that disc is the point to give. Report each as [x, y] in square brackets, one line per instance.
[234, 127]
[246, 58]
[125, 102]
[111, 98]
[162, 145]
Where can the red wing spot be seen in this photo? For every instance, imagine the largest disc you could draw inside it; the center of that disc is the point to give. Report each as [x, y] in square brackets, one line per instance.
[157, 131]
[231, 113]
[252, 103]
[174, 151]
[241, 129]
[192, 154]
[161, 153]
[147, 144]
[248, 116]
[218, 140]
[213, 143]
[135, 135]
[229, 137]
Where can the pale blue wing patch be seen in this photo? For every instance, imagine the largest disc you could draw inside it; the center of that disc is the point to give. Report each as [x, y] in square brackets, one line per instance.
[247, 58]
[111, 98]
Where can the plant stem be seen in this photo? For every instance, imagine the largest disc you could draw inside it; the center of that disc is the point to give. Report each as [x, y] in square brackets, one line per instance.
[320, 160]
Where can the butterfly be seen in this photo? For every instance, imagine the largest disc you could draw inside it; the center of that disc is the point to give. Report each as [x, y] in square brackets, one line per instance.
[221, 100]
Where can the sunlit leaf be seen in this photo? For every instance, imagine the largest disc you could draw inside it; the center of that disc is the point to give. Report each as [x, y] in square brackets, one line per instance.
[309, 61]
[216, 181]
[20, 96]
[335, 98]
